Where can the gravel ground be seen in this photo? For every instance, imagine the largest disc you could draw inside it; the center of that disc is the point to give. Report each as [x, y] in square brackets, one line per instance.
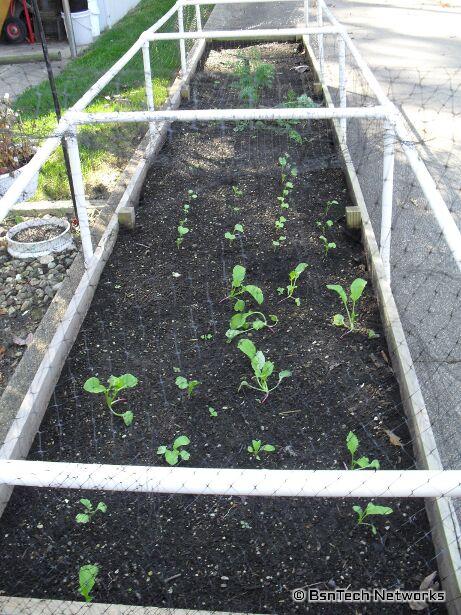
[27, 287]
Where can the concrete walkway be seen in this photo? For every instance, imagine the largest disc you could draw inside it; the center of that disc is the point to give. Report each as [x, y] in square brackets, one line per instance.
[16, 78]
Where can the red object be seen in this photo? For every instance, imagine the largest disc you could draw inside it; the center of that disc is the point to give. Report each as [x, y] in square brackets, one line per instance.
[30, 30]
[25, 8]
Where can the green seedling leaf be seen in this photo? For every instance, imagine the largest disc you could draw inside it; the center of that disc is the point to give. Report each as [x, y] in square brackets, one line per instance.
[286, 373]
[352, 443]
[255, 292]
[101, 507]
[161, 450]
[239, 305]
[181, 441]
[171, 457]
[247, 347]
[82, 518]
[338, 320]
[357, 288]
[128, 417]
[212, 411]
[93, 385]
[87, 579]
[127, 381]
[238, 275]
[181, 382]
[300, 268]
[374, 509]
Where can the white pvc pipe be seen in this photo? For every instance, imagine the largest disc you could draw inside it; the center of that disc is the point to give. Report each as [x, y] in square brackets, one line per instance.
[269, 33]
[12, 195]
[198, 17]
[80, 200]
[148, 81]
[209, 2]
[306, 17]
[387, 197]
[213, 115]
[320, 40]
[101, 83]
[435, 200]
[236, 482]
[342, 84]
[182, 42]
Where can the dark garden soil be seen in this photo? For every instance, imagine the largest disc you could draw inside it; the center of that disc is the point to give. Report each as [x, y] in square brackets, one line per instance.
[153, 306]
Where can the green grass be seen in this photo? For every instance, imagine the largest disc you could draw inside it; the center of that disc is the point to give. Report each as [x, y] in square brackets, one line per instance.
[104, 148]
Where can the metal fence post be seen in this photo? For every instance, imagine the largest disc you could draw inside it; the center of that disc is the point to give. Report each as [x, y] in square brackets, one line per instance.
[79, 190]
[148, 80]
[320, 39]
[342, 83]
[182, 42]
[387, 196]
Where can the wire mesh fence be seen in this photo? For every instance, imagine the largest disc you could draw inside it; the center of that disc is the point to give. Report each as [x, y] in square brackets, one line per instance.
[259, 194]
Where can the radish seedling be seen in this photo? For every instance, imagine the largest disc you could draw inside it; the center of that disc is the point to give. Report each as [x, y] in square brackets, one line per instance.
[262, 369]
[176, 453]
[238, 228]
[256, 447]
[278, 242]
[350, 303]
[242, 322]
[352, 443]
[371, 509]
[293, 277]
[327, 245]
[182, 227]
[111, 392]
[280, 223]
[324, 225]
[189, 385]
[212, 411]
[288, 172]
[89, 511]
[86, 579]
[238, 288]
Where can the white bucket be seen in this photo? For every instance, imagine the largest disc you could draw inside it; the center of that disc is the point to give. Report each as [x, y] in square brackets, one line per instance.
[94, 17]
[35, 249]
[81, 25]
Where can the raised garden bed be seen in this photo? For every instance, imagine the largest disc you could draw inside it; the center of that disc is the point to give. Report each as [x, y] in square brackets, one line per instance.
[158, 310]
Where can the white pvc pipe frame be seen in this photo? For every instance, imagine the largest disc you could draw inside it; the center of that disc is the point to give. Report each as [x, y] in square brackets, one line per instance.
[394, 126]
[240, 482]
[234, 482]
